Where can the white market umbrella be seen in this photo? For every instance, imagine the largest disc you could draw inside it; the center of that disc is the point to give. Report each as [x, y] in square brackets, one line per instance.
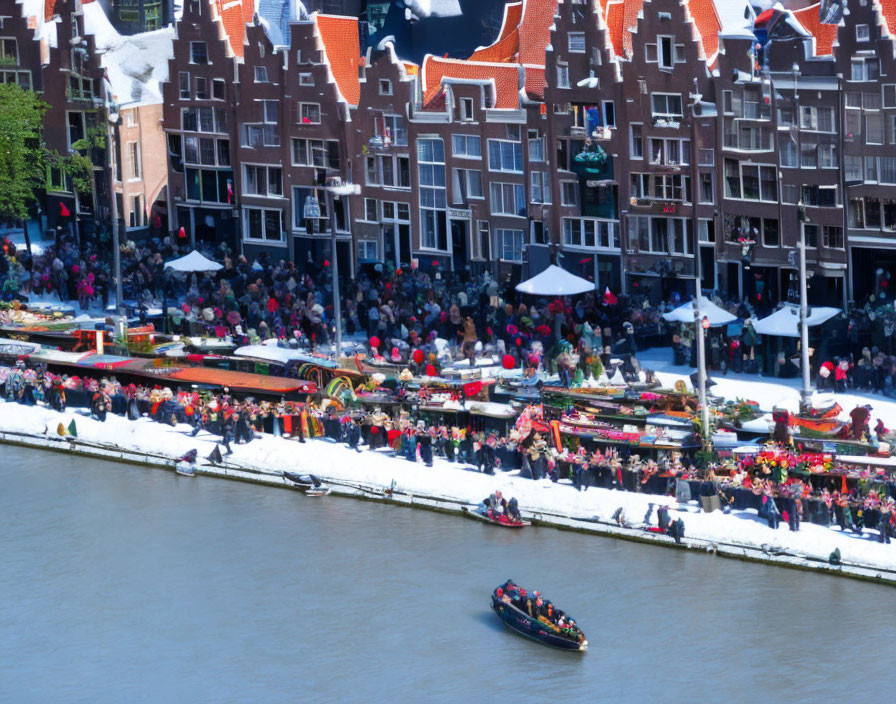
[194, 261]
[786, 322]
[709, 310]
[555, 281]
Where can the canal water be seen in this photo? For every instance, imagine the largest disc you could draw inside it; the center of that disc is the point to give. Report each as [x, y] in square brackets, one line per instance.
[125, 584]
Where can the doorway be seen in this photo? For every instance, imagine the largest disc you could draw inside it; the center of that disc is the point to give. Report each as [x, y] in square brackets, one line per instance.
[459, 244]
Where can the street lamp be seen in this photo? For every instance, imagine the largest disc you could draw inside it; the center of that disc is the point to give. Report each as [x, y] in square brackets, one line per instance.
[113, 116]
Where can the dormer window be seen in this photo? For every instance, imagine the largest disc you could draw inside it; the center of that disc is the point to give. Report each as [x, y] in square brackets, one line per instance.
[466, 109]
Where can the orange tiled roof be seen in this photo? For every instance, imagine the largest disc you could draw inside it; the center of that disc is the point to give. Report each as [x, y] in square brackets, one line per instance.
[535, 30]
[504, 50]
[535, 81]
[825, 34]
[505, 76]
[706, 21]
[342, 47]
[615, 16]
[513, 12]
[887, 9]
[629, 22]
[231, 13]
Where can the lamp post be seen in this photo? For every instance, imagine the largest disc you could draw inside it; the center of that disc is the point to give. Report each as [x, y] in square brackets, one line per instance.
[334, 265]
[806, 391]
[700, 321]
[113, 116]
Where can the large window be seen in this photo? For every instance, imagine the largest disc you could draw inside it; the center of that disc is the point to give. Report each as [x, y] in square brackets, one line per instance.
[590, 233]
[508, 199]
[262, 181]
[467, 184]
[505, 156]
[511, 243]
[209, 185]
[433, 198]
[198, 53]
[204, 120]
[315, 152]
[134, 170]
[666, 105]
[661, 235]
[263, 225]
[750, 181]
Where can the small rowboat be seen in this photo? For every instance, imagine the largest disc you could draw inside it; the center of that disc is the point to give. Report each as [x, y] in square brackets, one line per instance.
[185, 469]
[501, 520]
[532, 628]
[311, 485]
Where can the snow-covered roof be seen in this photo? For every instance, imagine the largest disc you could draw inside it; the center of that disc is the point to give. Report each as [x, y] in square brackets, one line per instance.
[736, 18]
[275, 16]
[136, 65]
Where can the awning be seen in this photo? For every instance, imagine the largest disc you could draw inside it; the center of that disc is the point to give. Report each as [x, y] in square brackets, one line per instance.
[685, 314]
[786, 322]
[194, 261]
[555, 281]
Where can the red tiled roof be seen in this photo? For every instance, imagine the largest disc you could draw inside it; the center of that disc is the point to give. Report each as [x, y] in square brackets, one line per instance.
[535, 30]
[505, 76]
[706, 21]
[825, 34]
[342, 47]
[887, 9]
[629, 22]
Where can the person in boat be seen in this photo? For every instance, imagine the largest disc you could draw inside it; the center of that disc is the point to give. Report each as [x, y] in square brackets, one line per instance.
[513, 510]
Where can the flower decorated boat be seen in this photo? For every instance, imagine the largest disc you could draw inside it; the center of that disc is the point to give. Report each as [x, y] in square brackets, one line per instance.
[538, 629]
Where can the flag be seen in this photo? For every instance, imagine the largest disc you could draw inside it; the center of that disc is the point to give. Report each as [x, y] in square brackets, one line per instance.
[73, 429]
[215, 456]
[609, 298]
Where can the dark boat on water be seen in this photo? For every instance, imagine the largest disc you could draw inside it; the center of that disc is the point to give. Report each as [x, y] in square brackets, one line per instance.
[311, 484]
[537, 630]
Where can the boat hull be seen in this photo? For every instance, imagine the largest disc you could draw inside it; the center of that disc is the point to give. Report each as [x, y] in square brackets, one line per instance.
[532, 628]
[473, 513]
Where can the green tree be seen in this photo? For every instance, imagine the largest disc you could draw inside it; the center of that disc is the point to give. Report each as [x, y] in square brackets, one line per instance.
[22, 154]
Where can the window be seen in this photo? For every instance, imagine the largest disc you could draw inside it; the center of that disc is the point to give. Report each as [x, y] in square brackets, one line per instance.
[589, 233]
[183, 81]
[808, 156]
[264, 181]
[817, 119]
[536, 146]
[511, 242]
[306, 79]
[853, 167]
[432, 190]
[57, 181]
[133, 161]
[819, 196]
[483, 242]
[392, 130]
[562, 76]
[371, 210]
[672, 152]
[636, 141]
[508, 199]
[368, 250]
[887, 169]
[832, 237]
[865, 69]
[707, 192]
[666, 105]
[874, 129]
[198, 53]
[468, 146]
[209, 185]
[827, 156]
[467, 184]
[889, 95]
[315, 152]
[201, 88]
[218, 88]
[262, 225]
[569, 193]
[863, 34]
[258, 136]
[505, 156]
[385, 87]
[76, 128]
[309, 113]
[9, 53]
[750, 181]
[665, 52]
[540, 187]
[576, 42]
[608, 107]
[706, 157]
[261, 74]
[137, 216]
[130, 118]
[203, 120]
[466, 109]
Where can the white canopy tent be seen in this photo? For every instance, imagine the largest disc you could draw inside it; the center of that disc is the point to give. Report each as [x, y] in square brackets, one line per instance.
[194, 261]
[685, 314]
[786, 322]
[555, 281]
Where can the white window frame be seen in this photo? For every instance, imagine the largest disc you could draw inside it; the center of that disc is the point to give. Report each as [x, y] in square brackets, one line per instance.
[576, 42]
[301, 116]
[504, 232]
[267, 181]
[281, 242]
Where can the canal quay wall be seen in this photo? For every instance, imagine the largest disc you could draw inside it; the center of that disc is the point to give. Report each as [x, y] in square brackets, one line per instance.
[448, 488]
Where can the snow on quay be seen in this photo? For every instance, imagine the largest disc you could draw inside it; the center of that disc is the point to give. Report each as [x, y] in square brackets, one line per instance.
[445, 486]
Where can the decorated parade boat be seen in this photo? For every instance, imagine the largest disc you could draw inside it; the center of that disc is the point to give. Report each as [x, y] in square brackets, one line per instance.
[541, 629]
